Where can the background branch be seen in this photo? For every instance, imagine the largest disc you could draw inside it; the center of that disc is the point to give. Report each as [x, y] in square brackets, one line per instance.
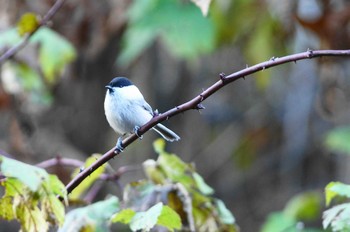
[195, 103]
[59, 161]
[43, 22]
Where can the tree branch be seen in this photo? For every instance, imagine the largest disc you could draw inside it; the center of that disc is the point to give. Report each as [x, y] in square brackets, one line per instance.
[13, 50]
[195, 103]
[59, 161]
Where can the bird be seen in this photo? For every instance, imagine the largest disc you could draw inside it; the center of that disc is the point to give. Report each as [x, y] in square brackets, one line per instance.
[126, 111]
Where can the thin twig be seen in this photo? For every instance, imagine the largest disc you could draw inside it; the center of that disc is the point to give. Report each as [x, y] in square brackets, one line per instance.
[115, 176]
[13, 50]
[193, 104]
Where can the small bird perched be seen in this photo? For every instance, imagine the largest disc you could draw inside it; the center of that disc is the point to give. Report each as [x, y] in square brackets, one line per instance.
[126, 110]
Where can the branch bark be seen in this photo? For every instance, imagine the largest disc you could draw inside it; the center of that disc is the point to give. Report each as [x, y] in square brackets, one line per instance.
[13, 50]
[195, 103]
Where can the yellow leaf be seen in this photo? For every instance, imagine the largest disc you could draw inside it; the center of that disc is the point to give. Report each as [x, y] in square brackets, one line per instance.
[86, 184]
[159, 145]
[27, 24]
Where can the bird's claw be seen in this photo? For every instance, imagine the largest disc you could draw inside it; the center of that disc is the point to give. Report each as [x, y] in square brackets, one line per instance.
[136, 131]
[119, 146]
[156, 113]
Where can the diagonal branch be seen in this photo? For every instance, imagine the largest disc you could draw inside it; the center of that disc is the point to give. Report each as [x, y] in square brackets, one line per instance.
[195, 103]
[13, 50]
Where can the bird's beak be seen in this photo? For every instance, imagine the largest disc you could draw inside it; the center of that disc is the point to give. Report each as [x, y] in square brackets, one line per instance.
[109, 87]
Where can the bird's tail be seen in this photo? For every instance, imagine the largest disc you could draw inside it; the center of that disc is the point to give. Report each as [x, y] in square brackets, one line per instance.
[166, 133]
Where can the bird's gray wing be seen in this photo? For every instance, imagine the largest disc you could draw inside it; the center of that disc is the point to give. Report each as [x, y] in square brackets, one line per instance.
[146, 106]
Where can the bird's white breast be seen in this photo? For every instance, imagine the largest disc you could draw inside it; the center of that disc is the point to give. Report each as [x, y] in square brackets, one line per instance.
[124, 109]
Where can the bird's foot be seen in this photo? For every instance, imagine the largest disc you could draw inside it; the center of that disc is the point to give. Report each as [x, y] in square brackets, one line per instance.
[156, 113]
[119, 146]
[136, 131]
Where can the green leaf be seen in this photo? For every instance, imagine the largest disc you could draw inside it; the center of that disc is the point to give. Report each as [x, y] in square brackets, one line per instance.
[30, 79]
[56, 187]
[138, 192]
[156, 215]
[169, 219]
[103, 209]
[175, 169]
[201, 185]
[124, 216]
[200, 216]
[145, 221]
[27, 24]
[53, 208]
[9, 38]
[192, 197]
[31, 218]
[153, 172]
[159, 145]
[14, 186]
[138, 39]
[31, 196]
[24, 206]
[334, 189]
[33, 83]
[94, 217]
[224, 214]
[277, 222]
[6, 211]
[87, 182]
[338, 139]
[337, 217]
[172, 166]
[55, 52]
[182, 28]
[29, 175]
[304, 207]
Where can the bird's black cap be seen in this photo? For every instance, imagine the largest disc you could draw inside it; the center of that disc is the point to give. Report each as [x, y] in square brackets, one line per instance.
[119, 82]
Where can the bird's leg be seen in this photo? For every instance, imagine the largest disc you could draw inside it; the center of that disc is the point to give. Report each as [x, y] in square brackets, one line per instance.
[155, 113]
[119, 146]
[136, 131]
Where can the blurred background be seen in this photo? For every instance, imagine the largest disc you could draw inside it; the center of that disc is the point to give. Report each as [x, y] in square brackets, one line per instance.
[258, 142]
